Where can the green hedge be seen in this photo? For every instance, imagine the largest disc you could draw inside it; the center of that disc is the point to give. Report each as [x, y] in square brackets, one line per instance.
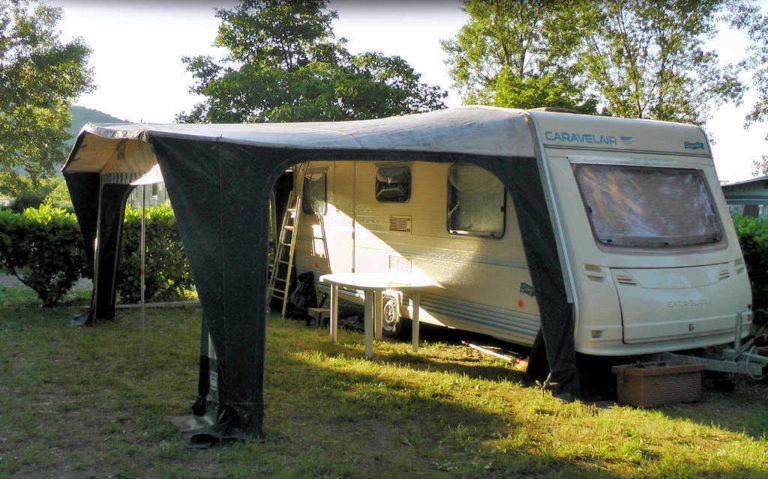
[753, 236]
[167, 271]
[43, 248]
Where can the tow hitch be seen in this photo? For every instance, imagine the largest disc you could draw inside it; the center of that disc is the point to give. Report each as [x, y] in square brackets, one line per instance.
[739, 359]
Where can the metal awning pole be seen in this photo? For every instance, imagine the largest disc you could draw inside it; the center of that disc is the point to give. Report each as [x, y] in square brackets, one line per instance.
[143, 219]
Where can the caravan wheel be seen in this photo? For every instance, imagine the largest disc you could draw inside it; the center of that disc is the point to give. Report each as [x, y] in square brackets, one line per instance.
[392, 323]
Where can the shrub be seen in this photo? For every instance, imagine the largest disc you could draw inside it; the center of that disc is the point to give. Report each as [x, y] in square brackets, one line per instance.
[167, 270]
[753, 236]
[43, 248]
[26, 200]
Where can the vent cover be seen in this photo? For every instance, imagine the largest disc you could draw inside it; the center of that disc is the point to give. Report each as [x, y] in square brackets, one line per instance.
[400, 223]
[625, 279]
[724, 274]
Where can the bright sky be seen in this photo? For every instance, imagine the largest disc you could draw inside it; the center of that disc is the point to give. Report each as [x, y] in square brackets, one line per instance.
[137, 49]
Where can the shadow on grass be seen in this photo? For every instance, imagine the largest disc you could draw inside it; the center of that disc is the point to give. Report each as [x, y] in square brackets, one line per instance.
[393, 424]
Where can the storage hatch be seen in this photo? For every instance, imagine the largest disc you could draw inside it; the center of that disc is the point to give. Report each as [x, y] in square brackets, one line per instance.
[660, 304]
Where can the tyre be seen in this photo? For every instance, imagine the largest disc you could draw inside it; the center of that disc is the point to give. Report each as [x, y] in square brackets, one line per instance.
[391, 323]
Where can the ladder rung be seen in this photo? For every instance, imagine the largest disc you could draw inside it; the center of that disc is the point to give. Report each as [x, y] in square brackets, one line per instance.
[289, 228]
[282, 261]
[286, 244]
[275, 290]
[292, 210]
[282, 280]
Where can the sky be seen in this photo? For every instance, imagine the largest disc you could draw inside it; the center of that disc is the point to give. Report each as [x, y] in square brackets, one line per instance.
[137, 49]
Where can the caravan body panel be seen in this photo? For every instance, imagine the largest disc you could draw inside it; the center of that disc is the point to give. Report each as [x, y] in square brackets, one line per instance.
[627, 299]
[484, 283]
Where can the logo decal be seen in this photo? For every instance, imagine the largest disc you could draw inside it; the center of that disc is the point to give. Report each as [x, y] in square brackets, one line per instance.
[570, 137]
[693, 145]
[526, 288]
[627, 140]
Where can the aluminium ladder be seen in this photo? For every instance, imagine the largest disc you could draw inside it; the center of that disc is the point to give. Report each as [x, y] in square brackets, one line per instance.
[282, 265]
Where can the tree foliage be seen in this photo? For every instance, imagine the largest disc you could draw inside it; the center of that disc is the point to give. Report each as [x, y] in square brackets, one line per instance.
[750, 19]
[285, 64]
[513, 53]
[39, 77]
[637, 59]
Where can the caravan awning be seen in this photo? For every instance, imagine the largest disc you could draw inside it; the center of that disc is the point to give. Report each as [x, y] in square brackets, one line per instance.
[219, 179]
[473, 130]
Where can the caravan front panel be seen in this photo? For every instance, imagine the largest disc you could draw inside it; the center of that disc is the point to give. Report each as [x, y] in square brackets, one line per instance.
[654, 258]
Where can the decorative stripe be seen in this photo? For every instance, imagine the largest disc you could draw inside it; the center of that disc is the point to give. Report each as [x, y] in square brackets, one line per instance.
[504, 319]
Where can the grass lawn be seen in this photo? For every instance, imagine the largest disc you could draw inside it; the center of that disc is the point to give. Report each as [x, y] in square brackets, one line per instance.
[83, 403]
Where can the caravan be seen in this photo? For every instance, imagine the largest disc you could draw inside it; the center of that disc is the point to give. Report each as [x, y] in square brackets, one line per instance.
[651, 259]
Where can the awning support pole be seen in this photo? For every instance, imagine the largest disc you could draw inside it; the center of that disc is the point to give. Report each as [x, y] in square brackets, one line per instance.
[143, 216]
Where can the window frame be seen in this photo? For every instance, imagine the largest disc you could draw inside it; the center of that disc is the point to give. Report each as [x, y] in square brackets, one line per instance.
[376, 182]
[722, 241]
[465, 233]
[306, 206]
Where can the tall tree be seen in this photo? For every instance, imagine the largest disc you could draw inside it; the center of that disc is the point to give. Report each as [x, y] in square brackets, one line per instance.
[285, 64]
[514, 53]
[649, 58]
[40, 76]
[750, 19]
[636, 58]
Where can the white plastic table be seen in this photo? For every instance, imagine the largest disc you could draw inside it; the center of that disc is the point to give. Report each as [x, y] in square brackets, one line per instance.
[372, 285]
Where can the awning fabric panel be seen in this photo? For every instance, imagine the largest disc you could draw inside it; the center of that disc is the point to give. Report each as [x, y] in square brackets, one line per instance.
[219, 183]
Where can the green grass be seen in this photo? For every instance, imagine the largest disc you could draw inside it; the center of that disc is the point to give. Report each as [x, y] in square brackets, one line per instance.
[84, 403]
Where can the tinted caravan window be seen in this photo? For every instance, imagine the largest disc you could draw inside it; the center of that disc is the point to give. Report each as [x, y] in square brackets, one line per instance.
[313, 201]
[648, 207]
[475, 202]
[393, 184]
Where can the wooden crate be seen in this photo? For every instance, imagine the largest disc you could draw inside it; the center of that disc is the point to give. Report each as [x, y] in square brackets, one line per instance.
[654, 384]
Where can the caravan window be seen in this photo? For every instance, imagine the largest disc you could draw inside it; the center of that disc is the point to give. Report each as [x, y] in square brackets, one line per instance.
[393, 184]
[648, 207]
[475, 202]
[313, 200]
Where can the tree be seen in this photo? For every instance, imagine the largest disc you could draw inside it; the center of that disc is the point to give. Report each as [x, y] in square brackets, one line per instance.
[513, 53]
[749, 18]
[649, 59]
[637, 59]
[285, 64]
[39, 78]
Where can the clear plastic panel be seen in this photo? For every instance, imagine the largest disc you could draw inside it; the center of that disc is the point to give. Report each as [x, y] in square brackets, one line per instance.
[648, 207]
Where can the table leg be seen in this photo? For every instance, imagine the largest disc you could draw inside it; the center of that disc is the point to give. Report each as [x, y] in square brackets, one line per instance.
[379, 318]
[415, 321]
[334, 322]
[368, 323]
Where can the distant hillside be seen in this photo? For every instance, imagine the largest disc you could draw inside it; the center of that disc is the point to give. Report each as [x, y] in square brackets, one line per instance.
[81, 116]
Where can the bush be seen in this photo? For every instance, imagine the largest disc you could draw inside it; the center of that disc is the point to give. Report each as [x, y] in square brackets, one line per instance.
[167, 271]
[753, 236]
[26, 200]
[43, 248]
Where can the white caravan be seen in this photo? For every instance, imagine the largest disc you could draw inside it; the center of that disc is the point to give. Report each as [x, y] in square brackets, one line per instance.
[653, 263]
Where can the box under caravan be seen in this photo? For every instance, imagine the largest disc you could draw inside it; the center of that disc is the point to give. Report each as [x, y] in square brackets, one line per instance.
[652, 260]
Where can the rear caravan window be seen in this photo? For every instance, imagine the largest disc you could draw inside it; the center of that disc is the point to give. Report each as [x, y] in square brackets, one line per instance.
[648, 207]
[476, 200]
[313, 200]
